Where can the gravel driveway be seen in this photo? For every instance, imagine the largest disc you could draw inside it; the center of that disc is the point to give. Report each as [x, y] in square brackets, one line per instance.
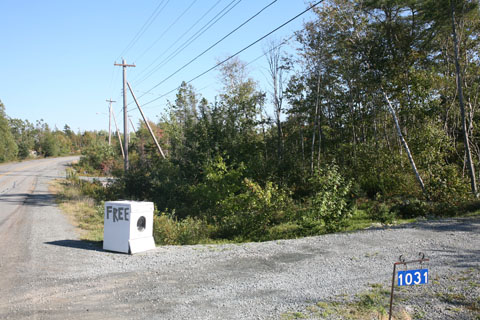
[60, 277]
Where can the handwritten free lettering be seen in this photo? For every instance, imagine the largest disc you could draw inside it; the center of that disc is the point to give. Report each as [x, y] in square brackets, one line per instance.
[118, 213]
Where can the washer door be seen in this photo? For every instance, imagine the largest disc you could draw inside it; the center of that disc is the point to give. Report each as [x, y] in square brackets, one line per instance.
[141, 223]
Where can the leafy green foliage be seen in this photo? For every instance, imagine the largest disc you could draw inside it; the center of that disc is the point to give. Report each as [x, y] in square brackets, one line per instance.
[381, 212]
[49, 145]
[98, 157]
[220, 181]
[412, 208]
[8, 147]
[169, 230]
[252, 212]
[24, 135]
[331, 200]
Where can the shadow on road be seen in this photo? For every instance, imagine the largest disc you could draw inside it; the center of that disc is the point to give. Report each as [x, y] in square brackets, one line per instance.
[470, 224]
[79, 244]
[37, 200]
[463, 259]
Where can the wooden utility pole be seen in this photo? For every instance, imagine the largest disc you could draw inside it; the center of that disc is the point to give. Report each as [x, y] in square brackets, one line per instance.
[110, 121]
[146, 122]
[125, 114]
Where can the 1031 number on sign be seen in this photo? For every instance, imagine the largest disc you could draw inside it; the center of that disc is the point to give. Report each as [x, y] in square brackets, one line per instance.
[412, 277]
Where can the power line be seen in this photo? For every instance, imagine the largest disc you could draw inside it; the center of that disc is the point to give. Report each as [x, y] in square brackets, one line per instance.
[189, 41]
[240, 51]
[249, 63]
[213, 45]
[179, 38]
[168, 28]
[145, 26]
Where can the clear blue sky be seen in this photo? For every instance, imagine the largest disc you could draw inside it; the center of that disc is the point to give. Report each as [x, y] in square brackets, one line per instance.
[56, 58]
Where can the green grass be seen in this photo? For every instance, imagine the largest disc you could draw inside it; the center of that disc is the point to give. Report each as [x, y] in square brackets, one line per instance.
[361, 220]
[370, 304]
[81, 210]
[293, 315]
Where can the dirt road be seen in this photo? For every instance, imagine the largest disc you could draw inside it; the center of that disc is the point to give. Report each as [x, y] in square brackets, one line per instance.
[47, 273]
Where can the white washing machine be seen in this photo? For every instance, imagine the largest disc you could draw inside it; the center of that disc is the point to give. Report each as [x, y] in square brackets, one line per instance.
[128, 226]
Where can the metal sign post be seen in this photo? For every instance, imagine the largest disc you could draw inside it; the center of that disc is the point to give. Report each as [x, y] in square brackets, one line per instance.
[419, 276]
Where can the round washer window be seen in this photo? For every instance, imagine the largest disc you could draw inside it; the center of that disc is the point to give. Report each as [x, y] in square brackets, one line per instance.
[141, 223]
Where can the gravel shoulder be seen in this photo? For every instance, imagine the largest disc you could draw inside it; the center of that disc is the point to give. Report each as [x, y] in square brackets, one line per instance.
[61, 277]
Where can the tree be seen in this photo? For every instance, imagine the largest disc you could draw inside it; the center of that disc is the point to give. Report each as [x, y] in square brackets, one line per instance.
[24, 134]
[8, 147]
[273, 52]
[49, 145]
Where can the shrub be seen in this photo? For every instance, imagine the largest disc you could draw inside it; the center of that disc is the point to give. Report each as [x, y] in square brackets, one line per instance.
[446, 185]
[220, 182]
[167, 230]
[331, 201]
[98, 158]
[379, 171]
[412, 208]
[381, 212]
[250, 213]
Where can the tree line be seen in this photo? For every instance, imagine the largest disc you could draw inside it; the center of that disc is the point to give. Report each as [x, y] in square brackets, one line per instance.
[21, 139]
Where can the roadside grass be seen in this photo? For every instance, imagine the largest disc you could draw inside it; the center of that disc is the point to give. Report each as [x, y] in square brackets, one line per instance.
[371, 304]
[361, 220]
[83, 212]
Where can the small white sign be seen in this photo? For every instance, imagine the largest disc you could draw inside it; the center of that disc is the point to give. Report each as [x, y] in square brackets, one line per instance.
[128, 226]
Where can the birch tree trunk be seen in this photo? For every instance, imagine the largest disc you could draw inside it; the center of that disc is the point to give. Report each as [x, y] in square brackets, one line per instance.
[405, 145]
[462, 106]
[274, 55]
[315, 122]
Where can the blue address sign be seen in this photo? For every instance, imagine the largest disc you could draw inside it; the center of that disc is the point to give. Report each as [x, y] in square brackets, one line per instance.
[412, 277]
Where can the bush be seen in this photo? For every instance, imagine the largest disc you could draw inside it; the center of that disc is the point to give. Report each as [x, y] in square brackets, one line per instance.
[98, 158]
[412, 208]
[220, 182]
[331, 201]
[250, 213]
[167, 230]
[381, 212]
[446, 185]
[379, 171]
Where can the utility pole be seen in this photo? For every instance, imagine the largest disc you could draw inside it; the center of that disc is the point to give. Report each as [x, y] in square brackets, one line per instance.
[110, 121]
[125, 115]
